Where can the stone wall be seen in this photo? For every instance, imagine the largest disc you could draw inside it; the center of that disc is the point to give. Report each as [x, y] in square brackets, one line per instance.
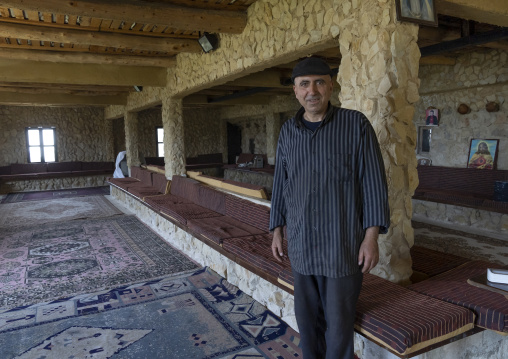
[81, 133]
[204, 132]
[148, 121]
[476, 79]
[118, 135]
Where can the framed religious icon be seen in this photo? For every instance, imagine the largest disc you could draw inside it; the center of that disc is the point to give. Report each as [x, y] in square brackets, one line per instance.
[432, 117]
[418, 11]
[483, 154]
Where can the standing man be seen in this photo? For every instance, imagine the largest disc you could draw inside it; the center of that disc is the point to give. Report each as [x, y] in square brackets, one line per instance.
[330, 191]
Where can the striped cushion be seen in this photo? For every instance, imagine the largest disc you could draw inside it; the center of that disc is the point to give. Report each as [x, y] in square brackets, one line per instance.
[255, 253]
[185, 187]
[123, 182]
[491, 308]
[160, 182]
[143, 191]
[217, 229]
[406, 321]
[166, 201]
[186, 211]
[432, 262]
[251, 213]
[212, 199]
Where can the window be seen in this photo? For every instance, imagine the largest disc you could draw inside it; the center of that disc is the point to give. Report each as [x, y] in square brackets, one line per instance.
[41, 144]
[160, 142]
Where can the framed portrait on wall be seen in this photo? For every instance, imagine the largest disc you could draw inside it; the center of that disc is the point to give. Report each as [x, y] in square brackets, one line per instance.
[483, 154]
[418, 11]
[432, 117]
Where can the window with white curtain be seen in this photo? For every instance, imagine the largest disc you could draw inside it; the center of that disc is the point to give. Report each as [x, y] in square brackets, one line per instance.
[41, 144]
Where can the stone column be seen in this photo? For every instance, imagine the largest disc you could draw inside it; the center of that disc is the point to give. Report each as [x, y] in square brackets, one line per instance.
[378, 76]
[172, 122]
[272, 135]
[131, 139]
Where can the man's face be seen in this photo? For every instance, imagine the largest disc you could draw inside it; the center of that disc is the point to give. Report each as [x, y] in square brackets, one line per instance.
[313, 92]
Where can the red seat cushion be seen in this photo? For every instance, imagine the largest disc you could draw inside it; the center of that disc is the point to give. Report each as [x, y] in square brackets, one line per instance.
[404, 320]
[491, 308]
[187, 211]
[431, 262]
[248, 212]
[161, 202]
[218, 228]
[255, 253]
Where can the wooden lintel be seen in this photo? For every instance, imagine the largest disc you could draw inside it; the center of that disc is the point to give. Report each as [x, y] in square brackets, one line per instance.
[267, 78]
[20, 99]
[138, 11]
[248, 100]
[81, 74]
[438, 60]
[494, 12]
[39, 33]
[85, 58]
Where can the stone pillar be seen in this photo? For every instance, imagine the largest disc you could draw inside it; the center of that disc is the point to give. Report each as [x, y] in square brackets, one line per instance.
[223, 129]
[131, 139]
[272, 135]
[172, 122]
[378, 76]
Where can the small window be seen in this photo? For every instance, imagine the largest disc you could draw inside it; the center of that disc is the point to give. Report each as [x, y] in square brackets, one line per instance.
[41, 143]
[160, 142]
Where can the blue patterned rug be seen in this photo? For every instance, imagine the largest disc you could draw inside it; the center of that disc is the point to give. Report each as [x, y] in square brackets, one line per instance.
[196, 316]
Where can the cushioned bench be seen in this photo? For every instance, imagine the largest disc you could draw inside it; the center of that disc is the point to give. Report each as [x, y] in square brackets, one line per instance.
[402, 320]
[467, 187]
[491, 308]
[143, 183]
[430, 262]
[405, 321]
[204, 161]
[229, 185]
[28, 171]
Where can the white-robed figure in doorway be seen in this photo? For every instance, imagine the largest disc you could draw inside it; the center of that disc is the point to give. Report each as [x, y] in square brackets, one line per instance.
[120, 160]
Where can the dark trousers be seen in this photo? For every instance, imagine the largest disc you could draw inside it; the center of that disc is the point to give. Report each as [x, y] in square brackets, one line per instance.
[325, 313]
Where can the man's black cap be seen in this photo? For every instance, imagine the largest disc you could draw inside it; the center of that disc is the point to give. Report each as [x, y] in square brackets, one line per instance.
[311, 66]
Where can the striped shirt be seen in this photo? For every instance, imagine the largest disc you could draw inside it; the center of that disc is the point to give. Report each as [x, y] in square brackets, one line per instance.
[329, 187]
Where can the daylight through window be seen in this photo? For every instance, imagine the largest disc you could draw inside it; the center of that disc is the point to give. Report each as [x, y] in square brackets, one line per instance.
[160, 142]
[41, 144]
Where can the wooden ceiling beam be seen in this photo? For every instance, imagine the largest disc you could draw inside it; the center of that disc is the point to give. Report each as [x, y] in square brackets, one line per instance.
[23, 99]
[85, 58]
[82, 74]
[267, 78]
[50, 87]
[39, 33]
[162, 13]
[494, 12]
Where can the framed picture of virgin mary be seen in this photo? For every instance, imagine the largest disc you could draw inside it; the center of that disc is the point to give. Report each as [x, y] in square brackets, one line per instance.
[483, 154]
[419, 11]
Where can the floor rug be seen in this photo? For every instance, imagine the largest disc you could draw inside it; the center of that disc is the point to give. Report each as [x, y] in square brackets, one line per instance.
[63, 209]
[468, 245]
[64, 258]
[63, 193]
[200, 316]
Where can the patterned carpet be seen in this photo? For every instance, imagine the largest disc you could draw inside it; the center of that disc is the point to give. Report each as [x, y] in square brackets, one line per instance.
[66, 258]
[63, 193]
[62, 209]
[186, 317]
[468, 245]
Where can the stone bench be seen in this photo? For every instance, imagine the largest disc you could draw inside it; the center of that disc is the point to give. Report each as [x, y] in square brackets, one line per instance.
[12, 175]
[238, 229]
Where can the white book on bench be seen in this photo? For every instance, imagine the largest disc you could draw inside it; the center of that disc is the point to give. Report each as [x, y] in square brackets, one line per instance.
[497, 275]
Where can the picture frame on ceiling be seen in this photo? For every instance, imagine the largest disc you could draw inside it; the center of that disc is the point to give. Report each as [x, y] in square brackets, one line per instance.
[432, 117]
[418, 11]
[483, 154]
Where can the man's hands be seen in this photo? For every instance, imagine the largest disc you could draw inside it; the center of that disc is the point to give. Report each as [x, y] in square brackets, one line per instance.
[277, 250]
[369, 250]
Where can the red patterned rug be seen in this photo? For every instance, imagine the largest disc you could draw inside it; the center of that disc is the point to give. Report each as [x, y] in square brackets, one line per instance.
[59, 259]
[63, 193]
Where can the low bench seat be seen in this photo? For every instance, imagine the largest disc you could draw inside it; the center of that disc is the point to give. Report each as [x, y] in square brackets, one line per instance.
[431, 262]
[159, 186]
[405, 321]
[165, 201]
[184, 212]
[491, 309]
[217, 229]
[255, 253]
